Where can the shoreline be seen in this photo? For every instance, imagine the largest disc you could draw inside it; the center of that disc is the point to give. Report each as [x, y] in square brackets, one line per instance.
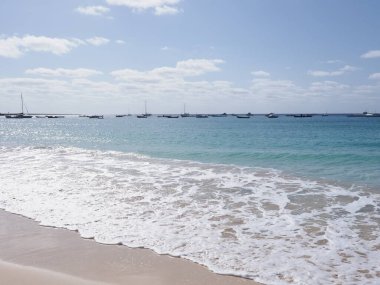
[61, 256]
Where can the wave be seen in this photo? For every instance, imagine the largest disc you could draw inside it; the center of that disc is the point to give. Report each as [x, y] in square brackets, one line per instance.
[256, 223]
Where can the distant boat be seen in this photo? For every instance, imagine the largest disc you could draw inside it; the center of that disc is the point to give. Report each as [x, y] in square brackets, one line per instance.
[243, 116]
[20, 115]
[40, 117]
[271, 116]
[365, 114]
[120, 116]
[302, 116]
[96, 117]
[219, 115]
[201, 116]
[54, 117]
[185, 115]
[171, 116]
[145, 115]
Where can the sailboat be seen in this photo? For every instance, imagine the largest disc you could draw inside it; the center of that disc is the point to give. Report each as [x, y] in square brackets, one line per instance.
[21, 115]
[143, 116]
[185, 115]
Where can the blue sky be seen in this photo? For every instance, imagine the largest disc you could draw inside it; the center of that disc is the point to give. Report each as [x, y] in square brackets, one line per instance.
[109, 56]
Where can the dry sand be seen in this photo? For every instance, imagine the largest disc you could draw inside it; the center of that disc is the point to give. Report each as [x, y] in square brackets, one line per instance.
[32, 254]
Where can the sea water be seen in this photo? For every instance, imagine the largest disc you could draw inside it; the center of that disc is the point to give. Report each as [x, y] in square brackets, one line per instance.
[280, 201]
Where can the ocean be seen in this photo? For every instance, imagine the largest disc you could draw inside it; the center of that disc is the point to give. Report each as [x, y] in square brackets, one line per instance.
[280, 201]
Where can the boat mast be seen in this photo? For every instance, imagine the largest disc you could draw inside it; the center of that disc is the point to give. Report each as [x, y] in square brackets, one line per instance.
[145, 107]
[184, 108]
[22, 105]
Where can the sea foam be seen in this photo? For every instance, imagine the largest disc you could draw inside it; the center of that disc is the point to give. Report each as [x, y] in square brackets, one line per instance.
[257, 223]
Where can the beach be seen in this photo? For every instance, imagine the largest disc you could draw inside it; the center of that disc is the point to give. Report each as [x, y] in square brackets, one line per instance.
[92, 194]
[33, 254]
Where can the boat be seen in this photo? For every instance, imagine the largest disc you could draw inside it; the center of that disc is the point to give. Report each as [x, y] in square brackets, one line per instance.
[145, 115]
[219, 115]
[54, 117]
[19, 115]
[201, 116]
[40, 117]
[302, 116]
[271, 116]
[96, 117]
[365, 115]
[243, 116]
[185, 115]
[120, 116]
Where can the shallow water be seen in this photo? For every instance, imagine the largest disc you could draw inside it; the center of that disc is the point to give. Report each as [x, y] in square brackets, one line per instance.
[248, 203]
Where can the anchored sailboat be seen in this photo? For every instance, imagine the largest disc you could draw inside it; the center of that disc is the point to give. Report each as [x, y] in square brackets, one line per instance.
[185, 115]
[145, 115]
[20, 115]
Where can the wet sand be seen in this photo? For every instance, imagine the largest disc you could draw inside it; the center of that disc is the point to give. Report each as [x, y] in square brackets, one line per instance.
[45, 255]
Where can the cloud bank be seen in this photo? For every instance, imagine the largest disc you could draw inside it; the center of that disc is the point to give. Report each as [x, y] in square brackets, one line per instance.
[371, 54]
[63, 72]
[160, 7]
[322, 73]
[15, 47]
[92, 10]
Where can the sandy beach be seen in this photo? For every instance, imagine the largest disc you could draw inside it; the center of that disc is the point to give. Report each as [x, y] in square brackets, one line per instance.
[33, 254]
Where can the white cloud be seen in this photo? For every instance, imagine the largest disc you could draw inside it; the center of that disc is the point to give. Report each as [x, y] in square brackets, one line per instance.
[321, 73]
[62, 72]
[120, 42]
[260, 73]
[348, 68]
[328, 87]
[171, 84]
[97, 41]
[15, 47]
[160, 7]
[165, 10]
[187, 68]
[371, 54]
[92, 10]
[333, 61]
[369, 90]
[166, 88]
[340, 71]
[375, 76]
[269, 92]
[274, 89]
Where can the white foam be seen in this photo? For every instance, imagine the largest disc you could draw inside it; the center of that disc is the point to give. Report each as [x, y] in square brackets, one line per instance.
[256, 223]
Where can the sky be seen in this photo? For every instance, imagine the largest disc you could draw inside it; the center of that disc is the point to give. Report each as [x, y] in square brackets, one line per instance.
[215, 56]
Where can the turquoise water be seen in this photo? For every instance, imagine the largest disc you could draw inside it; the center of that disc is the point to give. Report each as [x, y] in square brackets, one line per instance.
[335, 148]
[280, 201]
